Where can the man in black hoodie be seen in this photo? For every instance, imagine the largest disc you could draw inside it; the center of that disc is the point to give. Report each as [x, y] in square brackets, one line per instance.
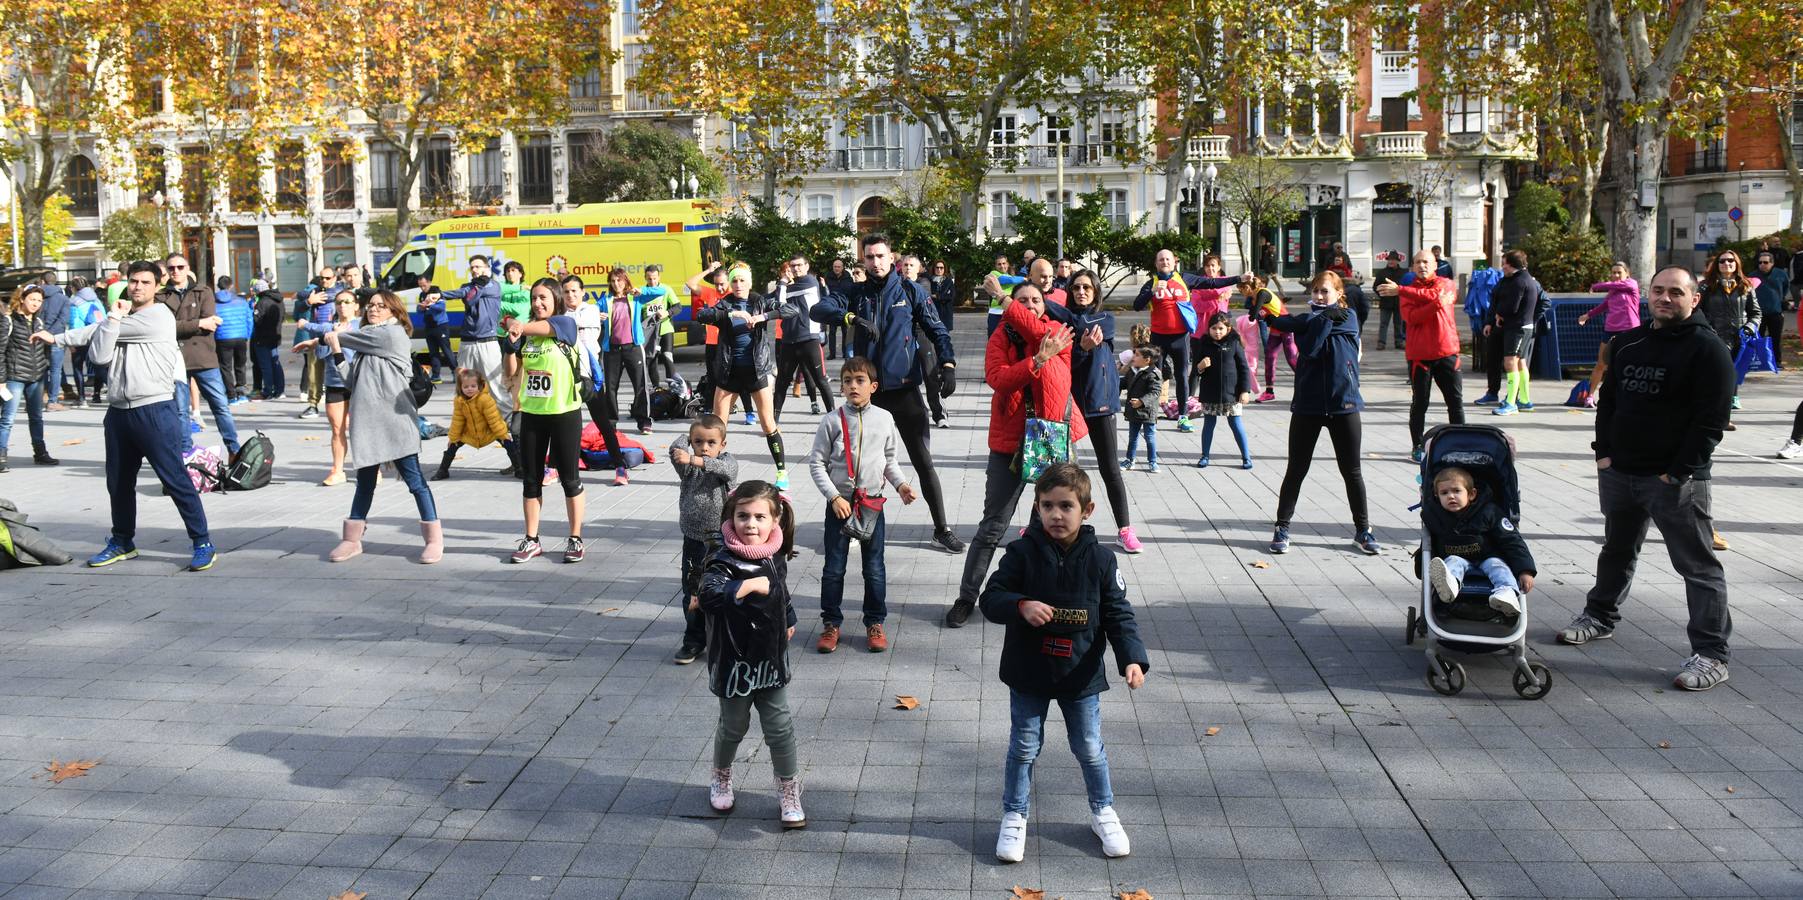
[1660, 413]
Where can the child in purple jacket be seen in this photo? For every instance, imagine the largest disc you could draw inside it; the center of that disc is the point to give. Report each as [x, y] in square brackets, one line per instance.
[1623, 309]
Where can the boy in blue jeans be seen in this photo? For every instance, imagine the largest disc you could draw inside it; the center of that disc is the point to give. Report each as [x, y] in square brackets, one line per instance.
[1060, 592]
[854, 454]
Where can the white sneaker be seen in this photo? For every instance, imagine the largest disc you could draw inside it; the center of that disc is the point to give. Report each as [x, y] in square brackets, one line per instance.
[1011, 841]
[1506, 601]
[1440, 578]
[1107, 826]
[1790, 450]
[719, 790]
[789, 791]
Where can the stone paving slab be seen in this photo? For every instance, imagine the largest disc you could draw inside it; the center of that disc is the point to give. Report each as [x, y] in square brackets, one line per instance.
[282, 727]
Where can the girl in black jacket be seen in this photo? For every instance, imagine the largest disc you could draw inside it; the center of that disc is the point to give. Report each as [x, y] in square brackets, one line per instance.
[1061, 594]
[1225, 386]
[745, 599]
[23, 363]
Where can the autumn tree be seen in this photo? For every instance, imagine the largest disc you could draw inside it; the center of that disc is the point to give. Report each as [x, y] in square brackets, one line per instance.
[1259, 192]
[1770, 81]
[775, 83]
[470, 72]
[955, 65]
[637, 161]
[60, 64]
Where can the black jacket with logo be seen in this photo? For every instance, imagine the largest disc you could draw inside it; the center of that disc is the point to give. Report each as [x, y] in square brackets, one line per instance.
[747, 637]
[1228, 375]
[1664, 400]
[1478, 532]
[1063, 658]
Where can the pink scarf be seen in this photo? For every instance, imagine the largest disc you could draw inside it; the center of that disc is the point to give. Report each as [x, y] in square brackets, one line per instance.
[743, 550]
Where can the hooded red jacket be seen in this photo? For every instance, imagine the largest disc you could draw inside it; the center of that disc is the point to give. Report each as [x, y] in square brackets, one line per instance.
[1427, 317]
[1008, 368]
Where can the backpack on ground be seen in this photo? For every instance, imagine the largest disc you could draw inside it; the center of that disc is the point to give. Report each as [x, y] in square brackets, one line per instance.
[206, 468]
[252, 467]
[671, 399]
[1580, 393]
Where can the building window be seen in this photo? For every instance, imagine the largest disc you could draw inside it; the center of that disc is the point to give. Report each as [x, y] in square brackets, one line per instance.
[82, 186]
[587, 85]
[384, 175]
[153, 173]
[1465, 115]
[338, 180]
[1001, 212]
[1115, 208]
[535, 171]
[582, 146]
[1057, 130]
[290, 177]
[875, 147]
[1004, 133]
[435, 175]
[485, 174]
[195, 178]
[1114, 135]
[820, 207]
[637, 100]
[1327, 100]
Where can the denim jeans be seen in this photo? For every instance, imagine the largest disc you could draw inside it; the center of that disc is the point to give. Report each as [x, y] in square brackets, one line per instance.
[837, 552]
[33, 396]
[53, 376]
[408, 466]
[268, 361]
[1632, 502]
[1083, 726]
[1494, 569]
[149, 434]
[1150, 430]
[212, 390]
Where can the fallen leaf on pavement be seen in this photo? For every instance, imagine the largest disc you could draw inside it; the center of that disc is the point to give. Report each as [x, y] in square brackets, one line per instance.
[1212, 731]
[73, 441]
[1136, 895]
[347, 895]
[1730, 789]
[309, 437]
[1026, 893]
[1665, 745]
[903, 701]
[60, 772]
[1260, 564]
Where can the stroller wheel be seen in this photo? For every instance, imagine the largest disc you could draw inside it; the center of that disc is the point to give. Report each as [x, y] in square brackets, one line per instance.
[1409, 636]
[1446, 677]
[1527, 689]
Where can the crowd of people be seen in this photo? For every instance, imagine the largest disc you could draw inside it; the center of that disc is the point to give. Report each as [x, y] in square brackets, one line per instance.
[534, 358]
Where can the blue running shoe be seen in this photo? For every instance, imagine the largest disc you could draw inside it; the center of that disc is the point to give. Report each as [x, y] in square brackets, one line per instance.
[1486, 400]
[782, 481]
[113, 552]
[1525, 406]
[1367, 542]
[1280, 540]
[751, 418]
[204, 554]
[1507, 409]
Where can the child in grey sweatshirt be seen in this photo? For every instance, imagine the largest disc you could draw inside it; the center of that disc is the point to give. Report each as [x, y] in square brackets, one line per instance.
[707, 473]
[869, 433]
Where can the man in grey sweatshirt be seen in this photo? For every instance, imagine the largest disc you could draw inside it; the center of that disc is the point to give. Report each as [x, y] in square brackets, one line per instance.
[854, 452]
[136, 341]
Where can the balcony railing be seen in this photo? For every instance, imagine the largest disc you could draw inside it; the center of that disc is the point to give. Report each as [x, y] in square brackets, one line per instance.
[1395, 63]
[384, 197]
[1708, 161]
[1209, 148]
[1396, 145]
[1319, 145]
[1495, 144]
[866, 159]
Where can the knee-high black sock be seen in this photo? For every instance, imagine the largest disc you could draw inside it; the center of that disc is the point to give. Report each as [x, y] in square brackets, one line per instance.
[775, 440]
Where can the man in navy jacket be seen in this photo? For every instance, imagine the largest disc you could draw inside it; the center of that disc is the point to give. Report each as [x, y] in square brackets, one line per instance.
[480, 349]
[882, 311]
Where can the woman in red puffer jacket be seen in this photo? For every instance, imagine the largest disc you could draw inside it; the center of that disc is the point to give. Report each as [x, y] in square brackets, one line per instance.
[1030, 353]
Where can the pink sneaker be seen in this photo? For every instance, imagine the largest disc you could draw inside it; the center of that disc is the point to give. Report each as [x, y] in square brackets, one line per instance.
[620, 479]
[1130, 541]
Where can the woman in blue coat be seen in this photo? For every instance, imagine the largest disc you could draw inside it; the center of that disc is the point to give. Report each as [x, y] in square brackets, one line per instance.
[1326, 397]
[1096, 385]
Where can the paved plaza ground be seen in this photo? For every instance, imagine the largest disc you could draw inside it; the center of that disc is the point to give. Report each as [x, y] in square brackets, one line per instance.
[284, 727]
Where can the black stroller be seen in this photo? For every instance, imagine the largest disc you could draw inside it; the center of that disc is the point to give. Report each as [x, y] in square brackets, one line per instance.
[1468, 624]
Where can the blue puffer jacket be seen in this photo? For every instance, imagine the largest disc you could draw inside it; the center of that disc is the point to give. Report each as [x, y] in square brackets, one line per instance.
[1095, 381]
[893, 306]
[1327, 363]
[236, 320]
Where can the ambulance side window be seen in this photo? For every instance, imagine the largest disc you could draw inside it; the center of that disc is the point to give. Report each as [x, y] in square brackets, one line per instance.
[405, 274]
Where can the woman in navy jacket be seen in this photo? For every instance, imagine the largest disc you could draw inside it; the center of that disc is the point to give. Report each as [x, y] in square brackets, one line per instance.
[1096, 384]
[1326, 397]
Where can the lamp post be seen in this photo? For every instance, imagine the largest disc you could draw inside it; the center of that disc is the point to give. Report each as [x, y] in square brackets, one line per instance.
[684, 179]
[162, 204]
[1203, 183]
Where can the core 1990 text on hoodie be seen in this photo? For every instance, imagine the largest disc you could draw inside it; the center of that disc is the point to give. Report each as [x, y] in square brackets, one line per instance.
[1664, 399]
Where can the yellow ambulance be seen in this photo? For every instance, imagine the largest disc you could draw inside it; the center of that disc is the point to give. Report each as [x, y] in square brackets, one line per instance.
[682, 236]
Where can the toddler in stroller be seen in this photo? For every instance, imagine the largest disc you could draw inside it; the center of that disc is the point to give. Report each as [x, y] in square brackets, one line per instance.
[1475, 566]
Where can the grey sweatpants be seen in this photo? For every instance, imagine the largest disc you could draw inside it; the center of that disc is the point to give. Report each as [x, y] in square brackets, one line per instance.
[1630, 503]
[773, 718]
[485, 357]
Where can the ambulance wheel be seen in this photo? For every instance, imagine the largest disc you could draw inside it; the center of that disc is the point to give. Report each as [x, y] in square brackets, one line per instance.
[1527, 689]
[1446, 677]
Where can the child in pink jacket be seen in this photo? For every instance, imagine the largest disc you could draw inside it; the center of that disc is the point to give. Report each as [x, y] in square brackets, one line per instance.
[1623, 309]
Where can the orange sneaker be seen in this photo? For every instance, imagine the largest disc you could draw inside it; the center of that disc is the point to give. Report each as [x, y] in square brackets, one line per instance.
[878, 643]
[829, 639]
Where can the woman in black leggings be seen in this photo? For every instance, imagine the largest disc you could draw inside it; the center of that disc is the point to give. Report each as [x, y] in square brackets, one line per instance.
[1096, 384]
[548, 365]
[1326, 397]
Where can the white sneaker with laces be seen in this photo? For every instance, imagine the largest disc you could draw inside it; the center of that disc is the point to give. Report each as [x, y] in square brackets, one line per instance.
[1790, 450]
[1011, 841]
[719, 790]
[789, 799]
[1107, 826]
[1441, 578]
[1506, 601]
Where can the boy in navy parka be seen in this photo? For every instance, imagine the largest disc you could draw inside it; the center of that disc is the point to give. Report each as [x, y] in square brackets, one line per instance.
[1060, 592]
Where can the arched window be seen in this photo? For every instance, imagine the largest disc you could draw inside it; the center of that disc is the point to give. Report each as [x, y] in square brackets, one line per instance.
[870, 215]
[83, 187]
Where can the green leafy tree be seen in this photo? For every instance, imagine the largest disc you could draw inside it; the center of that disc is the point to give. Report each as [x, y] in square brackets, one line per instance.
[937, 232]
[1565, 259]
[56, 223]
[759, 235]
[134, 233]
[1261, 193]
[636, 162]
